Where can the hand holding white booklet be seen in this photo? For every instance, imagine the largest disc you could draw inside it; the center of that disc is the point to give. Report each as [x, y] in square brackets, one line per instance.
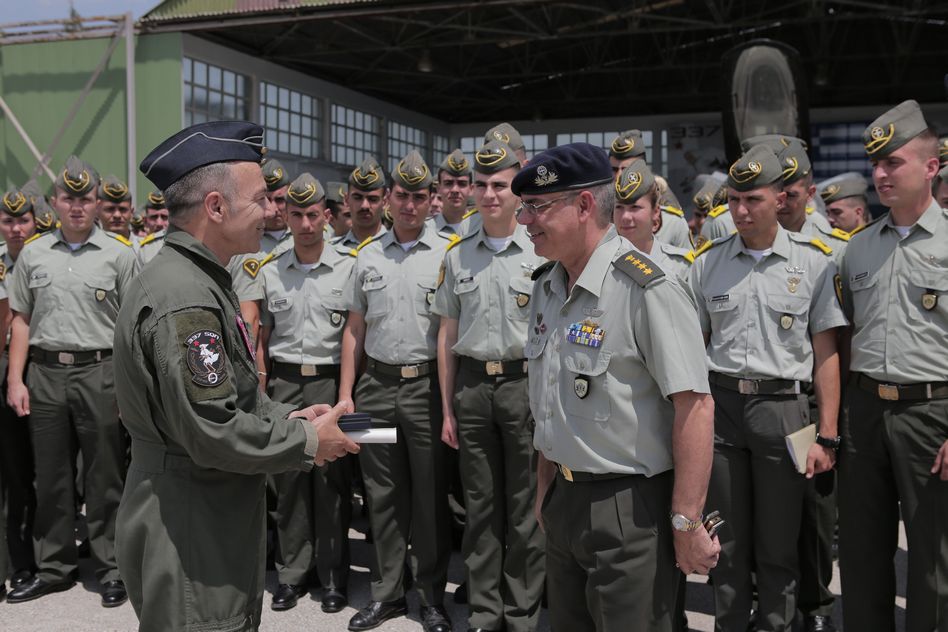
[374, 435]
[798, 444]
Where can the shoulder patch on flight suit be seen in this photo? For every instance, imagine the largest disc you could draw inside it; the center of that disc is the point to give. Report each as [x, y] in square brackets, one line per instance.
[203, 361]
[840, 234]
[33, 238]
[540, 269]
[673, 210]
[642, 270]
[473, 211]
[120, 238]
[717, 210]
[365, 242]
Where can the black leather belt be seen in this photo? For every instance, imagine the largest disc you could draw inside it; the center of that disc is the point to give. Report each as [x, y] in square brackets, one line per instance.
[288, 369]
[493, 368]
[587, 477]
[404, 371]
[68, 358]
[758, 387]
[898, 392]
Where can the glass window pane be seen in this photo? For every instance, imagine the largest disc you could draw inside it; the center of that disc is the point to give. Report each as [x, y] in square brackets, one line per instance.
[295, 123]
[284, 98]
[230, 82]
[295, 145]
[214, 77]
[284, 141]
[199, 98]
[186, 69]
[284, 119]
[306, 105]
[200, 73]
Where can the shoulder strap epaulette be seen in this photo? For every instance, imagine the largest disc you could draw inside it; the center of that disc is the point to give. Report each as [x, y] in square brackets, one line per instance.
[540, 269]
[817, 242]
[690, 256]
[453, 240]
[859, 229]
[717, 210]
[642, 269]
[119, 238]
[810, 210]
[3, 271]
[673, 210]
[703, 248]
[840, 234]
[252, 266]
[147, 240]
[33, 238]
[473, 211]
[354, 252]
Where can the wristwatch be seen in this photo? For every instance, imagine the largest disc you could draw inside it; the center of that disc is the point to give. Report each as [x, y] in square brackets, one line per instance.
[683, 523]
[826, 442]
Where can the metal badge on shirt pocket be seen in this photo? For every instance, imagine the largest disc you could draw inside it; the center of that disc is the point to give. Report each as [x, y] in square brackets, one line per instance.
[335, 317]
[100, 294]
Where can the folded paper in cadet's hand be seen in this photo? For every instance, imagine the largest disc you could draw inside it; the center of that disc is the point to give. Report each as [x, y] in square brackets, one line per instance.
[798, 444]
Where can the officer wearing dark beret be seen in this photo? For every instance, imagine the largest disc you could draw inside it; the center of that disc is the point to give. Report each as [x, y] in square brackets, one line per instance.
[619, 392]
[191, 522]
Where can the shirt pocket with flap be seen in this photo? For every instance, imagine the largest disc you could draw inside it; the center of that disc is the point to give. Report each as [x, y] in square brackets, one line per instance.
[787, 319]
[726, 318]
[280, 307]
[532, 351]
[100, 292]
[465, 289]
[928, 293]
[865, 294]
[584, 388]
[375, 288]
[519, 293]
[425, 295]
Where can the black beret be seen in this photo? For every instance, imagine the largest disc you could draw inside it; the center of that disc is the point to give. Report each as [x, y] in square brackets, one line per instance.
[201, 145]
[563, 168]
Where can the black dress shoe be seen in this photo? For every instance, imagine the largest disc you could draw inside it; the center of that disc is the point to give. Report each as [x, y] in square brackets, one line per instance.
[20, 577]
[820, 623]
[36, 588]
[113, 593]
[334, 600]
[435, 619]
[286, 596]
[376, 613]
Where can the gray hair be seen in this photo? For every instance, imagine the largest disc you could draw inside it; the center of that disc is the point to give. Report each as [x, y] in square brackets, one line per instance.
[605, 198]
[187, 194]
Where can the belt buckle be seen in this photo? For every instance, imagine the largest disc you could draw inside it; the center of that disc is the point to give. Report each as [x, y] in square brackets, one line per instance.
[308, 370]
[409, 372]
[747, 387]
[66, 358]
[889, 392]
[566, 472]
[494, 367]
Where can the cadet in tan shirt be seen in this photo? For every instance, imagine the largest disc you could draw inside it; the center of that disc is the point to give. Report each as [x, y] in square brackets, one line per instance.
[894, 459]
[619, 392]
[769, 314]
[454, 186]
[390, 317]
[65, 293]
[484, 301]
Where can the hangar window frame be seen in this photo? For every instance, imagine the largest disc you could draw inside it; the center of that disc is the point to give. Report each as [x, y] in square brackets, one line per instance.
[402, 138]
[354, 134]
[291, 120]
[213, 93]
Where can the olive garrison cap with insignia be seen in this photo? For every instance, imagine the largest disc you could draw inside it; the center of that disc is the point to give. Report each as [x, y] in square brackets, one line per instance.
[893, 129]
[456, 163]
[111, 189]
[201, 145]
[633, 182]
[563, 168]
[775, 141]
[495, 156]
[41, 206]
[77, 177]
[943, 150]
[756, 168]
[16, 203]
[274, 174]
[305, 191]
[842, 186]
[505, 133]
[794, 160]
[336, 192]
[155, 200]
[712, 193]
[137, 221]
[627, 144]
[412, 173]
[368, 176]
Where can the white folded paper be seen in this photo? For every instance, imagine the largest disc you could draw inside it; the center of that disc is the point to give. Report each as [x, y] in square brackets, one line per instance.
[374, 435]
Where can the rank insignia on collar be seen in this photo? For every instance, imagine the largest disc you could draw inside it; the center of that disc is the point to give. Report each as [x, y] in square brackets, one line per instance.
[581, 386]
[786, 321]
[100, 295]
[205, 356]
[929, 300]
[335, 318]
[523, 299]
[586, 333]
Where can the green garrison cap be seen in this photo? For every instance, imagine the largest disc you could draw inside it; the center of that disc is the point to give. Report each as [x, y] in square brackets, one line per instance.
[274, 174]
[635, 181]
[893, 129]
[505, 133]
[77, 177]
[137, 221]
[155, 200]
[368, 176]
[628, 144]
[411, 172]
[495, 156]
[305, 191]
[111, 189]
[336, 192]
[796, 164]
[775, 141]
[943, 150]
[456, 163]
[756, 168]
[16, 203]
[712, 193]
[842, 186]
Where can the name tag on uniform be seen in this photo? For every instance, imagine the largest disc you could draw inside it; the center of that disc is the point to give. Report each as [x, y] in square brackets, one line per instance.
[337, 291]
[469, 279]
[37, 276]
[278, 302]
[720, 297]
[585, 333]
